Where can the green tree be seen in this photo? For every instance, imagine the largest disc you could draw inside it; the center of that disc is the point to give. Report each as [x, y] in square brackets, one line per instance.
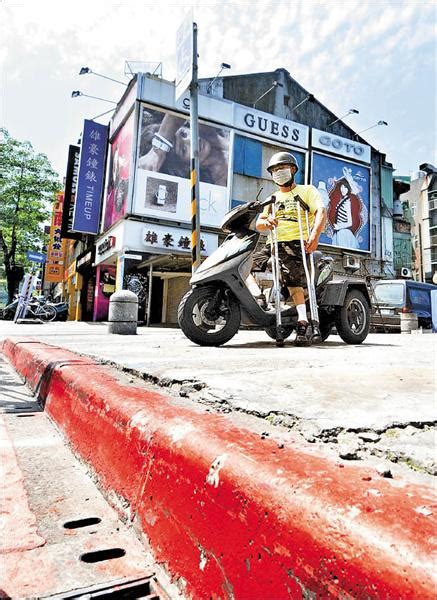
[27, 186]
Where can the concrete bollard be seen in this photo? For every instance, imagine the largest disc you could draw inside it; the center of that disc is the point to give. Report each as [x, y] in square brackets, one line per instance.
[123, 313]
[409, 322]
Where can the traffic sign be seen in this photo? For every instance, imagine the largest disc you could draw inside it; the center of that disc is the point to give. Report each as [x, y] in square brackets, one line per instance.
[184, 56]
[38, 257]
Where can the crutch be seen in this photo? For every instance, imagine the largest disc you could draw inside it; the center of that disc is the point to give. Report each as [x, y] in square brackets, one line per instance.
[310, 277]
[276, 283]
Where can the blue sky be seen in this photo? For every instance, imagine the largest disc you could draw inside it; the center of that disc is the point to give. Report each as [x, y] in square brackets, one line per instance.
[376, 56]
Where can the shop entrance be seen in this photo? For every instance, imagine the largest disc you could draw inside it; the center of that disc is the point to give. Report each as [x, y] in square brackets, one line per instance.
[156, 304]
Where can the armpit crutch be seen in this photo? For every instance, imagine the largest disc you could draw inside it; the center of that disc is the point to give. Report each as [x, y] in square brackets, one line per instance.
[276, 282]
[310, 276]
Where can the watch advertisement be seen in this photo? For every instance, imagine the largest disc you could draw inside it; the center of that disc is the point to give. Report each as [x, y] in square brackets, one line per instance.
[118, 174]
[163, 184]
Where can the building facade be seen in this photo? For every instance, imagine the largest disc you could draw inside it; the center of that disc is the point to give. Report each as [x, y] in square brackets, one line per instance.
[144, 240]
[421, 199]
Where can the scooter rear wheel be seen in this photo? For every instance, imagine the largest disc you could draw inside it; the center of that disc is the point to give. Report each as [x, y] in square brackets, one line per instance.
[209, 316]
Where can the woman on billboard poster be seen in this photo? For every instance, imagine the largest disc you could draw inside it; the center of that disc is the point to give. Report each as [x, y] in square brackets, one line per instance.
[345, 211]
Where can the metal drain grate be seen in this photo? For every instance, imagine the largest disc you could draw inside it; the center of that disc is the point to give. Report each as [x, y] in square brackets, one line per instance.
[144, 589]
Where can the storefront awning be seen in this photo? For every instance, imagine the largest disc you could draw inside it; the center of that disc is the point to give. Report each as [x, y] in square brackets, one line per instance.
[170, 262]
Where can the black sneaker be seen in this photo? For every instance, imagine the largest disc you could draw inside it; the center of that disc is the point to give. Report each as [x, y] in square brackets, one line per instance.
[303, 334]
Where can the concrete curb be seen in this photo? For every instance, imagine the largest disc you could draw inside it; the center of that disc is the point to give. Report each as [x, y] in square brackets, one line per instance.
[229, 515]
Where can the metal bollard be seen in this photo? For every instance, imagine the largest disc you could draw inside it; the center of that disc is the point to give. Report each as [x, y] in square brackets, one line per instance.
[409, 322]
[123, 313]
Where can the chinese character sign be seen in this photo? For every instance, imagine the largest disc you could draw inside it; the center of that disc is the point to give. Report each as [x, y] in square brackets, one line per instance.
[91, 175]
[54, 270]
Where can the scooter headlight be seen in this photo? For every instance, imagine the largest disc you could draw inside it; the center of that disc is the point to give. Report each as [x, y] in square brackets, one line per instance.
[324, 274]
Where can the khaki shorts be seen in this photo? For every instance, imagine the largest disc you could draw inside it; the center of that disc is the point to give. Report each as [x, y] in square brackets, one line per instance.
[290, 255]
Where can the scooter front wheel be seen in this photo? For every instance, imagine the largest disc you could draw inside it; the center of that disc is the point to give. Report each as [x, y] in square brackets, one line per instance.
[209, 316]
[287, 330]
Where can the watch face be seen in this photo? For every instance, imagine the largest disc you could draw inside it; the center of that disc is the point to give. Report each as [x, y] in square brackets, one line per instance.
[157, 143]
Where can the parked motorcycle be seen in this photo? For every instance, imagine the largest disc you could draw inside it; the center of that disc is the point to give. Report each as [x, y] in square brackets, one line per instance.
[38, 308]
[210, 313]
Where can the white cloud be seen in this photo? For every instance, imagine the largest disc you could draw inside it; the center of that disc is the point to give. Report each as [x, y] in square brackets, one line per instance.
[367, 55]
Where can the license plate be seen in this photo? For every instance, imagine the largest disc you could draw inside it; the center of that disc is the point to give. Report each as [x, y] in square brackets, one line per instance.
[387, 311]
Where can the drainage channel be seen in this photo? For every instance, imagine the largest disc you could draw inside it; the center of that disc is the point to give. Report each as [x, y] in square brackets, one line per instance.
[145, 588]
[68, 541]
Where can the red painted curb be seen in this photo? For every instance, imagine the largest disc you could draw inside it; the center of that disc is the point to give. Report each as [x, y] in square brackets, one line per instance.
[230, 515]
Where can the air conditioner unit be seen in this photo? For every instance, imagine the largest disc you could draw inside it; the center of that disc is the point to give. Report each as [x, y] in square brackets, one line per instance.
[351, 262]
[406, 272]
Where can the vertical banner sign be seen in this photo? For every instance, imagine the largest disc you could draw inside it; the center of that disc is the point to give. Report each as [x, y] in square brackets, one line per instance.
[54, 270]
[184, 55]
[70, 193]
[91, 174]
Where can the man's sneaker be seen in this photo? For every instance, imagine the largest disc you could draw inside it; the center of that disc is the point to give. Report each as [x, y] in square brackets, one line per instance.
[304, 334]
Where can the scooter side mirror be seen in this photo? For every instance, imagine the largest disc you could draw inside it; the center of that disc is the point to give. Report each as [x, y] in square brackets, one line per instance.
[267, 201]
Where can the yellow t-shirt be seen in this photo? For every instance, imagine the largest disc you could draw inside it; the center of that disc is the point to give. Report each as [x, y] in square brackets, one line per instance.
[286, 211]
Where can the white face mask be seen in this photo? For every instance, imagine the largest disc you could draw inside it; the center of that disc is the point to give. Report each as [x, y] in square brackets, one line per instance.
[282, 176]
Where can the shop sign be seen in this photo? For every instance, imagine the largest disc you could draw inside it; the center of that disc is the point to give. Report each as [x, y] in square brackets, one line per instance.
[70, 193]
[85, 259]
[340, 145]
[70, 271]
[107, 243]
[54, 270]
[175, 239]
[91, 176]
[271, 126]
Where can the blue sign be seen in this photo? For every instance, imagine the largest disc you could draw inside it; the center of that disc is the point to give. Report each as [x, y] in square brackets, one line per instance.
[345, 190]
[38, 257]
[91, 175]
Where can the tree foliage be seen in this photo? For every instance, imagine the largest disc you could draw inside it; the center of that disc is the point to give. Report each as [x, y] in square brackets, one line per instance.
[27, 187]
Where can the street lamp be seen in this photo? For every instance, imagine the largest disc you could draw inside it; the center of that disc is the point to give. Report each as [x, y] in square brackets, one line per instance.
[77, 93]
[87, 70]
[275, 84]
[310, 97]
[371, 127]
[102, 114]
[211, 83]
[351, 111]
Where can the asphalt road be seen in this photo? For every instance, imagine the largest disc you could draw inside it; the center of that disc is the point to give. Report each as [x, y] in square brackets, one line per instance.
[374, 401]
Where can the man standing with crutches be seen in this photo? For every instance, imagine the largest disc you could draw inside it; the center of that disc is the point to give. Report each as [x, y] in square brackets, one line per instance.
[299, 217]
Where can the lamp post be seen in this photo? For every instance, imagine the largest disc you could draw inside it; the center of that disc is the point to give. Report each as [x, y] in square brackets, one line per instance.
[211, 84]
[351, 111]
[275, 84]
[77, 93]
[102, 114]
[371, 127]
[310, 97]
[87, 70]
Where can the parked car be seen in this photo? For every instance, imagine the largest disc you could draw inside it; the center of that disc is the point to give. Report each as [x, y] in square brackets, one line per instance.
[393, 296]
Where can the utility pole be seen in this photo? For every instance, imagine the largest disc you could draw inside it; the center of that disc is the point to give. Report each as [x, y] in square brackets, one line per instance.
[194, 158]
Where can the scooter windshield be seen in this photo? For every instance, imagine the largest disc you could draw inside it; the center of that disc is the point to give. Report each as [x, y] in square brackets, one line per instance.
[232, 246]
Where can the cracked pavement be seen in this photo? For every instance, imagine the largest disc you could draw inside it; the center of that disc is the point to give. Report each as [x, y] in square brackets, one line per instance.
[371, 402]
